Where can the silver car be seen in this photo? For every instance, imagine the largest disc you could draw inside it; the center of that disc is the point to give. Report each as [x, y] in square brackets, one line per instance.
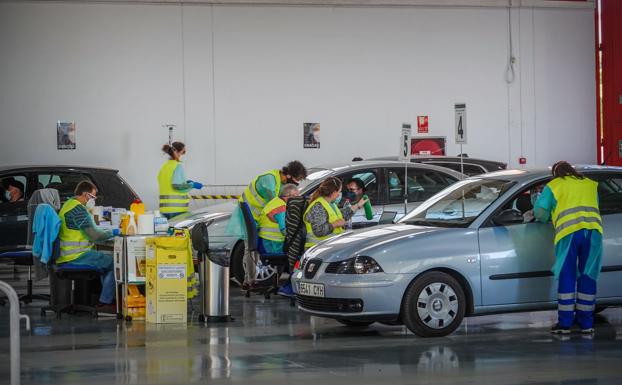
[472, 249]
[384, 183]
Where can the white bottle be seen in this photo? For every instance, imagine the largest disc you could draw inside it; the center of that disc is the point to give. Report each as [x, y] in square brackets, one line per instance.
[131, 226]
[160, 223]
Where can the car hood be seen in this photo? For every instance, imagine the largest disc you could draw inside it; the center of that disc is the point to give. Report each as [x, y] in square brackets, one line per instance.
[366, 241]
[219, 211]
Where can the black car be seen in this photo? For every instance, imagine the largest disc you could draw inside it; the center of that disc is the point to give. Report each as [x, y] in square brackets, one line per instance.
[112, 191]
[472, 166]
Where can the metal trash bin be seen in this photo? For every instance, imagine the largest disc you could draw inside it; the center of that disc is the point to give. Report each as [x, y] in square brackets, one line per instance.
[214, 276]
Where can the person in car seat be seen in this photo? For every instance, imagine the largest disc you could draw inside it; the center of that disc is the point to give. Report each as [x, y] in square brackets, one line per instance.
[14, 191]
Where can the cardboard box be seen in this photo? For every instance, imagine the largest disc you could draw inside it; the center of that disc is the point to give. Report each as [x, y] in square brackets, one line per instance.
[166, 288]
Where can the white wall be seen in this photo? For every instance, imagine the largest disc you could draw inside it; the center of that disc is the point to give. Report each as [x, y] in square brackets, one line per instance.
[239, 81]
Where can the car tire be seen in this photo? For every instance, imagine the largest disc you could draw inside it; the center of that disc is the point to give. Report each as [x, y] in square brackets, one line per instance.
[237, 266]
[355, 324]
[434, 305]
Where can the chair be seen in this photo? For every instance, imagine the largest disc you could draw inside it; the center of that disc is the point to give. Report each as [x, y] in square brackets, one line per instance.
[258, 253]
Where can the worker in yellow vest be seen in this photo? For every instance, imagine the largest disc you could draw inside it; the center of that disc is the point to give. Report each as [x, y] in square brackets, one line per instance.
[323, 219]
[78, 233]
[570, 200]
[264, 188]
[272, 220]
[174, 186]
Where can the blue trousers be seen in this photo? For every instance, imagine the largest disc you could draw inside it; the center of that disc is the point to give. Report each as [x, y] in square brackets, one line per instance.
[576, 296]
[105, 263]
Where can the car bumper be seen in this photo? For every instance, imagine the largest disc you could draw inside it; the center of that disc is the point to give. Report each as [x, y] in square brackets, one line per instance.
[354, 296]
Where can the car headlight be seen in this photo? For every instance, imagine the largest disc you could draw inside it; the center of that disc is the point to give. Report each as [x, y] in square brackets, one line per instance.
[359, 265]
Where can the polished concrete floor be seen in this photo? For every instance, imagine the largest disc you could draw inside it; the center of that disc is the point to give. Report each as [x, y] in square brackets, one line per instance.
[271, 343]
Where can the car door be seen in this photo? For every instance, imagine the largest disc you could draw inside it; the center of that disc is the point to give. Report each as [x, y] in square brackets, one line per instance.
[371, 180]
[516, 259]
[14, 215]
[610, 202]
[422, 184]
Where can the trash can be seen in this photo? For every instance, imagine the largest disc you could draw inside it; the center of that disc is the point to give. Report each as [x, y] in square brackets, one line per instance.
[214, 275]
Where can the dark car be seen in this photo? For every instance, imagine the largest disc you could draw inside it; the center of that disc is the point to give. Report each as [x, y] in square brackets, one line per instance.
[472, 166]
[112, 191]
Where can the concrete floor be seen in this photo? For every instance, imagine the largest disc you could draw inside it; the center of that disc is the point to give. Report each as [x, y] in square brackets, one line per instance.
[272, 343]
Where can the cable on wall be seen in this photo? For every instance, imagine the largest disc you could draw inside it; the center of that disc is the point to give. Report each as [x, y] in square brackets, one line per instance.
[510, 74]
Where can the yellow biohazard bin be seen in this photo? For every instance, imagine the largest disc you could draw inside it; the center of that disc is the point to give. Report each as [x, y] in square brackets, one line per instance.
[166, 283]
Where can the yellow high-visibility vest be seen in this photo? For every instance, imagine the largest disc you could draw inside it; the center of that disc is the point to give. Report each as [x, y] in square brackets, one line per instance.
[577, 206]
[333, 214]
[267, 228]
[72, 242]
[171, 201]
[255, 201]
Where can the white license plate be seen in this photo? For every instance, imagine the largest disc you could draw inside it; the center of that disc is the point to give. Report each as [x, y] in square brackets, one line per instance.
[311, 289]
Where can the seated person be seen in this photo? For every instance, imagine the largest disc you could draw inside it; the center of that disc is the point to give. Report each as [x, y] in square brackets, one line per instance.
[355, 189]
[78, 233]
[14, 191]
[526, 207]
[272, 220]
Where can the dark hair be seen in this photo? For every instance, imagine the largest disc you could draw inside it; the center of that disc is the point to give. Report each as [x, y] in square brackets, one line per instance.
[295, 169]
[357, 159]
[84, 187]
[172, 148]
[327, 187]
[563, 169]
[359, 183]
[15, 183]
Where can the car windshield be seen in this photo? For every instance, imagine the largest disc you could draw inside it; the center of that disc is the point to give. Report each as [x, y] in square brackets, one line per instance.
[459, 204]
[314, 174]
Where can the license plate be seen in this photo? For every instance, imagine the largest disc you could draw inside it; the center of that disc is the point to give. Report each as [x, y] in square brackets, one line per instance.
[311, 289]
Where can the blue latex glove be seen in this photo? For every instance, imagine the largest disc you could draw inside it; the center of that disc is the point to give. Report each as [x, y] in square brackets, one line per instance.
[116, 232]
[197, 185]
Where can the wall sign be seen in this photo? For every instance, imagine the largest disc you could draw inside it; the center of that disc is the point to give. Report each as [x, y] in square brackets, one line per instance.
[422, 124]
[311, 135]
[428, 145]
[65, 135]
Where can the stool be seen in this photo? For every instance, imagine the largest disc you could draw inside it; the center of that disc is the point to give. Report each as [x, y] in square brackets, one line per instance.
[75, 274]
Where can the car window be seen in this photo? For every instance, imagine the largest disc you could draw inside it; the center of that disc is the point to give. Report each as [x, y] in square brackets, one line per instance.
[422, 184]
[469, 169]
[524, 201]
[609, 193]
[370, 180]
[64, 182]
[14, 188]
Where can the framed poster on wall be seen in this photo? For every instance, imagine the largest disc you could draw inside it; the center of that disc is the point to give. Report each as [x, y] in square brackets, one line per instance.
[429, 145]
[65, 135]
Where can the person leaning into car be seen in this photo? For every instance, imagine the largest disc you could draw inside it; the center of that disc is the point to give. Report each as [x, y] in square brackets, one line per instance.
[323, 219]
[571, 201]
[174, 186]
[78, 233]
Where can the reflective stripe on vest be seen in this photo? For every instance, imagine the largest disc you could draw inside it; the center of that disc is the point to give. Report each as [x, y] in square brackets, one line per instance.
[72, 242]
[267, 228]
[577, 206]
[334, 214]
[252, 198]
[171, 201]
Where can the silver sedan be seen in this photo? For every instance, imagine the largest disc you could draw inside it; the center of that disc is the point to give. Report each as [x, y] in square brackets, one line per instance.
[472, 249]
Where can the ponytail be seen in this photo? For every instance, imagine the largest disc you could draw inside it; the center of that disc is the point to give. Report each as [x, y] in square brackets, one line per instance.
[171, 149]
[563, 169]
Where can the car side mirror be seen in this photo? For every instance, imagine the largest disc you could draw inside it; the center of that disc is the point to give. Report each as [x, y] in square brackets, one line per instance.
[508, 217]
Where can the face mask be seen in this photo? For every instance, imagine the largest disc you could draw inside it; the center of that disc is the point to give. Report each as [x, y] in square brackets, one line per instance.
[292, 181]
[534, 198]
[338, 199]
[394, 182]
[7, 195]
[90, 203]
[349, 195]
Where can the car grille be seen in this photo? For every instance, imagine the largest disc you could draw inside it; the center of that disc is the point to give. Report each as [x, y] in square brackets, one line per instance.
[332, 305]
[311, 268]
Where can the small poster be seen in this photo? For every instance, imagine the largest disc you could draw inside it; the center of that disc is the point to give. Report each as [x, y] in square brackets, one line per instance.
[66, 135]
[311, 132]
[422, 124]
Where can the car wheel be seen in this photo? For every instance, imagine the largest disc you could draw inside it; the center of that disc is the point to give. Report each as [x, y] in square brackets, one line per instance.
[237, 267]
[434, 305]
[355, 324]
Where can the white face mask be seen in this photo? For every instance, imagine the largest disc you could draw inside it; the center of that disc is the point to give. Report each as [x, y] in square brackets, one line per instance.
[7, 195]
[90, 203]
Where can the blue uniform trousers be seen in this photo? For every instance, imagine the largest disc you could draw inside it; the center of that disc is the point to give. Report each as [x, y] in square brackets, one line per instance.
[576, 293]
